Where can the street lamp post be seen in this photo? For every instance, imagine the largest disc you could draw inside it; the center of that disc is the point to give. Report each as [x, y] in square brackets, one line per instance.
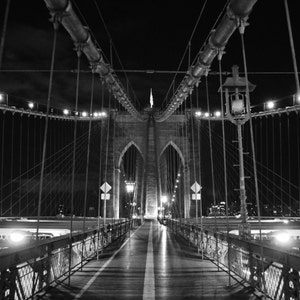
[237, 112]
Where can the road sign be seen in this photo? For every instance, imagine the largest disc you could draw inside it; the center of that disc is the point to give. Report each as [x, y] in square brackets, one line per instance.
[105, 196]
[196, 187]
[105, 187]
[196, 196]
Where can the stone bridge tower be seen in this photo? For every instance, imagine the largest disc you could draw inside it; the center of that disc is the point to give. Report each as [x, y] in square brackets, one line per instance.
[150, 139]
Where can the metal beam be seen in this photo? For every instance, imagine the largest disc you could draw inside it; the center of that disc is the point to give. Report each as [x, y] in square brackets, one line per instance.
[237, 12]
[62, 11]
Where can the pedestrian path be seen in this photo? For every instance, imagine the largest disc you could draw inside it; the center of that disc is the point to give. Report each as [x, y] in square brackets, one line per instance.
[151, 264]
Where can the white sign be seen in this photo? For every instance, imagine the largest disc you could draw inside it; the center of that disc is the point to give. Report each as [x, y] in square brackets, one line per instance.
[105, 196]
[196, 187]
[196, 196]
[105, 187]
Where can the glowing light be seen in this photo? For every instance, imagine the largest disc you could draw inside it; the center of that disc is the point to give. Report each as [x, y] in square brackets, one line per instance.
[95, 114]
[217, 114]
[17, 236]
[3, 98]
[129, 186]
[282, 237]
[270, 104]
[31, 105]
[206, 115]
[198, 113]
[178, 174]
[297, 98]
[164, 199]
[66, 112]
[84, 114]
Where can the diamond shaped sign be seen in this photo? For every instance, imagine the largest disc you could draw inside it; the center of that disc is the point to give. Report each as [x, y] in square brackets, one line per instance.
[196, 187]
[105, 187]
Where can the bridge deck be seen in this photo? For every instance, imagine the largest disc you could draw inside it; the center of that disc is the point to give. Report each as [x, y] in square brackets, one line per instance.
[152, 264]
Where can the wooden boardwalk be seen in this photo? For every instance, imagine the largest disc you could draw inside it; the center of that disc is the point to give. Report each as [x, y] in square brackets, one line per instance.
[150, 265]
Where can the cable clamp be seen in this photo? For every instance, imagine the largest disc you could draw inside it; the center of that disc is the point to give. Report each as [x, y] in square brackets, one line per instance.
[79, 48]
[242, 24]
[56, 18]
[221, 52]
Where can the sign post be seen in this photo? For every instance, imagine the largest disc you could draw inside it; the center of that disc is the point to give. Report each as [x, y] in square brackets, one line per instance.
[196, 188]
[105, 187]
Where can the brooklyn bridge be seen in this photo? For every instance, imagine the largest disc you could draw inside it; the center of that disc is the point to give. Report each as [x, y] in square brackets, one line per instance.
[149, 151]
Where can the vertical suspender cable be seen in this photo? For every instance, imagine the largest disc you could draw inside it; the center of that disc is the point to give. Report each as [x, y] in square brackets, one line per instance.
[199, 174]
[100, 171]
[256, 136]
[261, 156]
[78, 51]
[193, 141]
[210, 145]
[56, 140]
[88, 158]
[251, 129]
[2, 161]
[20, 162]
[267, 156]
[49, 151]
[34, 146]
[224, 160]
[292, 47]
[289, 166]
[212, 166]
[187, 151]
[298, 155]
[194, 156]
[273, 162]
[4, 31]
[88, 149]
[280, 162]
[27, 167]
[55, 23]
[12, 162]
[241, 30]
[106, 152]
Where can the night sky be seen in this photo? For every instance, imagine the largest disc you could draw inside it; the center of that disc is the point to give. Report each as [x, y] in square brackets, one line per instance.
[147, 35]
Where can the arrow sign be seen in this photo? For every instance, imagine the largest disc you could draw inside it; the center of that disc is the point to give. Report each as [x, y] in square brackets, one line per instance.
[105, 187]
[196, 187]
